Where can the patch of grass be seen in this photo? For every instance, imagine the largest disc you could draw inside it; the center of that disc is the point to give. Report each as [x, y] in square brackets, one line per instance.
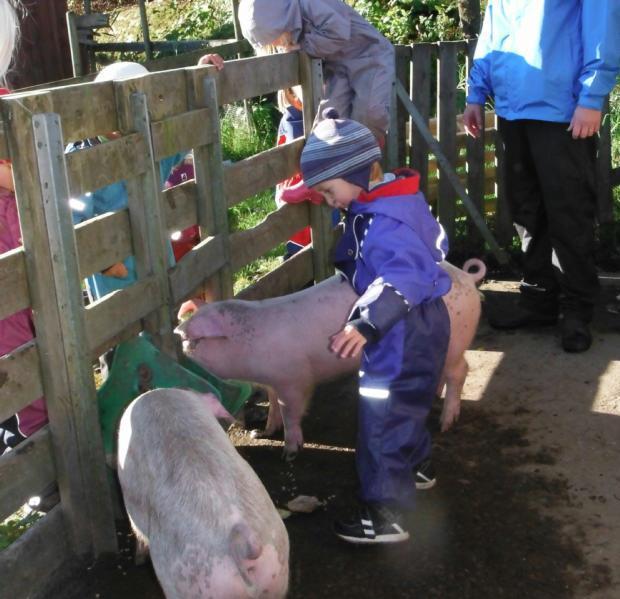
[16, 525]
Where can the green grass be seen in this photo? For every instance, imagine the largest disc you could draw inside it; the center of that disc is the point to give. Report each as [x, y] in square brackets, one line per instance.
[16, 525]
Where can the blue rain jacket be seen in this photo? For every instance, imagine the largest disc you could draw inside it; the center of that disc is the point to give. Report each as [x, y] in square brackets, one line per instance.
[110, 199]
[540, 59]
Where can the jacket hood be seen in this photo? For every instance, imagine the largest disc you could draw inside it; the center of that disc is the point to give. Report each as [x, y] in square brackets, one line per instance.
[263, 21]
[401, 200]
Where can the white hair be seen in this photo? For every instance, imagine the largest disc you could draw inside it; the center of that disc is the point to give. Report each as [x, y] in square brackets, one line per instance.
[9, 33]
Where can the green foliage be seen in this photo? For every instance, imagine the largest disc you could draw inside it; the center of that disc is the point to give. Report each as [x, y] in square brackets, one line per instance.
[406, 21]
[16, 525]
[200, 20]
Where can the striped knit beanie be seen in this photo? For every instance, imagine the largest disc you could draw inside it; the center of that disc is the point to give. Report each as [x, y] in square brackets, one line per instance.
[339, 149]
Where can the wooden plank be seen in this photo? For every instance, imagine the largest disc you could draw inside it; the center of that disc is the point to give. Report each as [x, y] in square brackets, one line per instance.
[165, 96]
[614, 178]
[504, 228]
[420, 94]
[475, 165]
[4, 144]
[190, 59]
[25, 471]
[245, 178]
[181, 132]
[74, 105]
[20, 380]
[403, 74]
[251, 77]
[452, 176]
[103, 241]
[604, 194]
[47, 230]
[74, 43]
[287, 278]
[211, 206]
[44, 549]
[13, 282]
[108, 316]
[198, 265]
[92, 20]
[446, 117]
[248, 245]
[93, 168]
[180, 205]
[311, 77]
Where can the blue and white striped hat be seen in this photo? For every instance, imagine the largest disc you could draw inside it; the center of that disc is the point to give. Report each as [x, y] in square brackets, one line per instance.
[338, 148]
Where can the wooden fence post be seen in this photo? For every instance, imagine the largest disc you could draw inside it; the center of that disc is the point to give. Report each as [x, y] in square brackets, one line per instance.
[55, 288]
[311, 77]
[605, 201]
[148, 229]
[420, 94]
[446, 131]
[74, 45]
[403, 74]
[475, 148]
[504, 229]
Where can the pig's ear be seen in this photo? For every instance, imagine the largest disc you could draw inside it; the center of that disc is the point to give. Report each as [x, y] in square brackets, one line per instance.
[216, 408]
[206, 323]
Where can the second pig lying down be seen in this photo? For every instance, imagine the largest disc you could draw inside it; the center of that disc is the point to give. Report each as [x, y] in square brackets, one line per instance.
[210, 525]
[283, 343]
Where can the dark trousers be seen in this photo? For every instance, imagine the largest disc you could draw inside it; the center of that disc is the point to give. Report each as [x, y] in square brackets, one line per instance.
[551, 191]
[398, 381]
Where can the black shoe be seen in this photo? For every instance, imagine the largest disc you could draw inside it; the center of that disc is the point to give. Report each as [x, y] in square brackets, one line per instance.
[425, 475]
[576, 335]
[371, 524]
[517, 316]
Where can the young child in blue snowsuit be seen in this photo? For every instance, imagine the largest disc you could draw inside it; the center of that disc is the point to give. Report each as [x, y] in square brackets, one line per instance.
[389, 252]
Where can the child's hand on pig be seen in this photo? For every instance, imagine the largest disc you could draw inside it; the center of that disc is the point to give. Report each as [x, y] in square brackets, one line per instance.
[348, 343]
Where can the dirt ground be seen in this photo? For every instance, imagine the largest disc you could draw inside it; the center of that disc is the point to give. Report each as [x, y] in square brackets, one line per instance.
[528, 496]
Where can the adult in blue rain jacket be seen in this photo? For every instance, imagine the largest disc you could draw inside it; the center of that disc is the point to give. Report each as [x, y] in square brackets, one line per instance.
[390, 252]
[548, 66]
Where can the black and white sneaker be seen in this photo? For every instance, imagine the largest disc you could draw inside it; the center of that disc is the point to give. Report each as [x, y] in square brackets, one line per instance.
[425, 475]
[371, 525]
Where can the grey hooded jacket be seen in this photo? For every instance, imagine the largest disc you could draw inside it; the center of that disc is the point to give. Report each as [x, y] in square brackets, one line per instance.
[358, 60]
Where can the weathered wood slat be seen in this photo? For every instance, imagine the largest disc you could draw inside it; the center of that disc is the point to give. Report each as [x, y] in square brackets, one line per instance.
[248, 245]
[403, 74]
[180, 204]
[190, 59]
[4, 144]
[110, 315]
[248, 78]
[103, 241]
[20, 379]
[13, 282]
[25, 472]
[85, 490]
[287, 278]
[247, 177]
[165, 96]
[604, 193]
[420, 94]
[503, 219]
[615, 177]
[195, 267]
[446, 116]
[181, 133]
[93, 168]
[31, 559]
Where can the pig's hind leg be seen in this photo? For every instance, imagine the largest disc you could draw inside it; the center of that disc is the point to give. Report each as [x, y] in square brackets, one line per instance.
[454, 375]
[293, 400]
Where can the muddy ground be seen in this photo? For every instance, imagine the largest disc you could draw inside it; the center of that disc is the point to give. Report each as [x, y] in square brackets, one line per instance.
[528, 496]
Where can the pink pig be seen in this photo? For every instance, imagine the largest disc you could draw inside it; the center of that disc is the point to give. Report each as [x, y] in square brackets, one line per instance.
[210, 525]
[283, 343]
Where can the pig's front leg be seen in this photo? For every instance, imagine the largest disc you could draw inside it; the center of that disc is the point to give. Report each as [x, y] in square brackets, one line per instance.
[293, 400]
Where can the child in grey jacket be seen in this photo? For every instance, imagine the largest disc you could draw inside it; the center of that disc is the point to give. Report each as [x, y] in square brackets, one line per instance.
[358, 62]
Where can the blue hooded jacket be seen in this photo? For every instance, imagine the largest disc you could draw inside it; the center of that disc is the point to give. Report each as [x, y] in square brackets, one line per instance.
[390, 252]
[540, 59]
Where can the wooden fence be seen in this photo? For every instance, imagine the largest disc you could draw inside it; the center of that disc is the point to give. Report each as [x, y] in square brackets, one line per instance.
[434, 75]
[157, 115]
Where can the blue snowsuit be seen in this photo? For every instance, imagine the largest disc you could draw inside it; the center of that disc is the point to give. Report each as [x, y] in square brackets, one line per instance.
[390, 252]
